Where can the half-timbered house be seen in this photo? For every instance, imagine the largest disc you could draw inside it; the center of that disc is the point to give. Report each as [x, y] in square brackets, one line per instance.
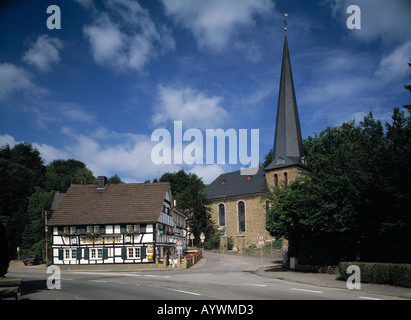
[116, 224]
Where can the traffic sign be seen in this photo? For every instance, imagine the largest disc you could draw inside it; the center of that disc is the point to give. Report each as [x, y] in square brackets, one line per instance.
[202, 240]
[179, 243]
[202, 236]
[261, 238]
[192, 236]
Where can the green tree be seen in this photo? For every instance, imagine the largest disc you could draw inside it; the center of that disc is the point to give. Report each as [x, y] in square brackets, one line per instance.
[4, 251]
[114, 180]
[355, 202]
[21, 171]
[61, 174]
[187, 190]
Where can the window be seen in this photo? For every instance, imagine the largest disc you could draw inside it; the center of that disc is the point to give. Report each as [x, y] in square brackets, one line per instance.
[66, 229]
[249, 178]
[129, 227]
[96, 253]
[133, 253]
[221, 215]
[267, 206]
[73, 230]
[89, 228]
[70, 254]
[96, 229]
[285, 178]
[276, 180]
[241, 217]
[223, 182]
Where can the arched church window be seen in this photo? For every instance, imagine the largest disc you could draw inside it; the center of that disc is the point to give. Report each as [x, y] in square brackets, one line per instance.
[267, 206]
[241, 217]
[276, 180]
[221, 215]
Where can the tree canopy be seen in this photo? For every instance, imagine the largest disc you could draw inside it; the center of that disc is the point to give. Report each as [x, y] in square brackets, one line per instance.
[187, 190]
[355, 203]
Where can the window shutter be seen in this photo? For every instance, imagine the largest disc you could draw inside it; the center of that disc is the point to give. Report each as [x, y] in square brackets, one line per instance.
[143, 252]
[143, 228]
[105, 253]
[60, 231]
[102, 229]
[78, 254]
[61, 254]
[86, 254]
[123, 253]
[122, 228]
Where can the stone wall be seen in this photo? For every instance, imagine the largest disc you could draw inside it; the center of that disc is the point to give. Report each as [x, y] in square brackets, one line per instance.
[255, 218]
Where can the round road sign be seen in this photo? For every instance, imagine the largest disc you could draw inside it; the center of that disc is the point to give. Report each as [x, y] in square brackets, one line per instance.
[179, 243]
[260, 237]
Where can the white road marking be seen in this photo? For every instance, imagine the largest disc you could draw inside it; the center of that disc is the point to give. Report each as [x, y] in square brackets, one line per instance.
[369, 298]
[119, 274]
[305, 290]
[156, 276]
[187, 292]
[255, 284]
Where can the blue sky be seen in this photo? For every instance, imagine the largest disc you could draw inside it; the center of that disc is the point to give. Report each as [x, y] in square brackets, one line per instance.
[96, 89]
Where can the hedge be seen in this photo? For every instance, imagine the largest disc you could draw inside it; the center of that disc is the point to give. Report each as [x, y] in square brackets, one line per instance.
[380, 273]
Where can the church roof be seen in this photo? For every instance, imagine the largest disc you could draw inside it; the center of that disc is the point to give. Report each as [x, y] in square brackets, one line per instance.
[288, 145]
[234, 184]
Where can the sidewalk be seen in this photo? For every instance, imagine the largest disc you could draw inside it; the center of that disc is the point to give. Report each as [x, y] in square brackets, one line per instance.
[276, 271]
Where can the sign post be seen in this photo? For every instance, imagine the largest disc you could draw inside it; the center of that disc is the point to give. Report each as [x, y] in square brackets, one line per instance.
[179, 244]
[202, 237]
[261, 242]
[192, 238]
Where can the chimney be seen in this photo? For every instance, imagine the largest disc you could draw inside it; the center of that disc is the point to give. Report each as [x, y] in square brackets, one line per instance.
[101, 182]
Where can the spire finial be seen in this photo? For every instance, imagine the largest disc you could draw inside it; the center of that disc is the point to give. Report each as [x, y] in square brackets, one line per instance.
[285, 22]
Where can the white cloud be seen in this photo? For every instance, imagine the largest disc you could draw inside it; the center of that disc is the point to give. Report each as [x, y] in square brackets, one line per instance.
[208, 173]
[7, 139]
[194, 108]
[106, 153]
[14, 79]
[50, 153]
[214, 22]
[43, 53]
[388, 20]
[393, 66]
[126, 38]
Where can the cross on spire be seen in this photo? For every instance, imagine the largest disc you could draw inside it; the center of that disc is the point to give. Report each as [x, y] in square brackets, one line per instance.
[285, 22]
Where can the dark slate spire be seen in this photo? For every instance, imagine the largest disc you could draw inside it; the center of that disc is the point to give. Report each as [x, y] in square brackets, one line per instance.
[288, 145]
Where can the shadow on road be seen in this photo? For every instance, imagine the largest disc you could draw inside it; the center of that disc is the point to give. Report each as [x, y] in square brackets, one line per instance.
[33, 286]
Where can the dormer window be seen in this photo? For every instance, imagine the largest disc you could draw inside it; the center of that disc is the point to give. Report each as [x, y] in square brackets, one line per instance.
[223, 182]
[249, 178]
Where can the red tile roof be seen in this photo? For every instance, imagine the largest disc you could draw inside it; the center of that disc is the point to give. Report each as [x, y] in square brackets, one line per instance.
[117, 203]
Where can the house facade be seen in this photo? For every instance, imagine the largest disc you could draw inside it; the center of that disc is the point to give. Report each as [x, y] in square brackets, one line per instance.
[116, 224]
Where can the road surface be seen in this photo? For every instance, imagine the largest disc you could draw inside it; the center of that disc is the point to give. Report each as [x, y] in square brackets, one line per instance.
[216, 277]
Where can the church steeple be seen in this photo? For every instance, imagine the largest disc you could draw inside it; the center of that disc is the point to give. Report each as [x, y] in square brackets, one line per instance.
[288, 145]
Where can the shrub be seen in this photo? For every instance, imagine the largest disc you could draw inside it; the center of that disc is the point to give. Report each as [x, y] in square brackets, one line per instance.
[4, 251]
[380, 273]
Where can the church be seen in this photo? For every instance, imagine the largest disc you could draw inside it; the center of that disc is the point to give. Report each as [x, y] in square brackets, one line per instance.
[239, 203]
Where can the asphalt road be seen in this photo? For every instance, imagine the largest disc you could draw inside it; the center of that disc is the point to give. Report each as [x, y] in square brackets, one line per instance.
[216, 277]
